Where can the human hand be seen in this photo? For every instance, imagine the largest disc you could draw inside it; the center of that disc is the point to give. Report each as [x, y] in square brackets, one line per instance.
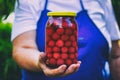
[27, 56]
[114, 60]
[57, 72]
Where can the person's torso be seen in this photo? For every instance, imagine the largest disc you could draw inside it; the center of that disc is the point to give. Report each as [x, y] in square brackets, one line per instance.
[94, 8]
[92, 49]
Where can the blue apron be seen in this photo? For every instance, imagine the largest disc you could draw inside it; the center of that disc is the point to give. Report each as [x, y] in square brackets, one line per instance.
[93, 49]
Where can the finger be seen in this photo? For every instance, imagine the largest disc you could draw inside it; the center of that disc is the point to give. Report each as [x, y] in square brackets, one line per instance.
[54, 72]
[72, 68]
[42, 56]
[51, 72]
[79, 62]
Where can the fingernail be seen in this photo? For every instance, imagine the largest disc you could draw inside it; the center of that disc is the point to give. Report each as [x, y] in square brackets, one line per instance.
[79, 62]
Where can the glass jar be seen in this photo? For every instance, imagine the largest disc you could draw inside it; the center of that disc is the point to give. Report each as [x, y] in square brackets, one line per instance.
[61, 39]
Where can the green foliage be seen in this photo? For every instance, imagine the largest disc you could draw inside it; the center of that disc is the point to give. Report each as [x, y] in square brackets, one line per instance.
[8, 68]
[116, 7]
[6, 7]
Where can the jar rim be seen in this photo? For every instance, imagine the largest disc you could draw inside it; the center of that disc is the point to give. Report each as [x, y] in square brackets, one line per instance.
[61, 14]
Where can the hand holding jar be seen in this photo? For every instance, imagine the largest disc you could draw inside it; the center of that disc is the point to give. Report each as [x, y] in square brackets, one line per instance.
[61, 39]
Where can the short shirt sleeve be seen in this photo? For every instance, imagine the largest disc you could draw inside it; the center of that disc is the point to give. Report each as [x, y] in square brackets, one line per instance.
[112, 25]
[27, 13]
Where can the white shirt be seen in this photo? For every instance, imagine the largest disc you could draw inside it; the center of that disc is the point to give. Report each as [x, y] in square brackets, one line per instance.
[100, 11]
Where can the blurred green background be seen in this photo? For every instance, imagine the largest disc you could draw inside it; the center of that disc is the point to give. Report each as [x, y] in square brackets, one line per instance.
[9, 70]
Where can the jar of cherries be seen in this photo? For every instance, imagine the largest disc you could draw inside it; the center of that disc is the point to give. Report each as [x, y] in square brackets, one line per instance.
[61, 39]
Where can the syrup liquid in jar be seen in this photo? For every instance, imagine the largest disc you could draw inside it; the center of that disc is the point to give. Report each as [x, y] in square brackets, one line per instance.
[61, 39]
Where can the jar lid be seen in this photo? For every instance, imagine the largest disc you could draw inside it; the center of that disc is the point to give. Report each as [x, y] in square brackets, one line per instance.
[61, 14]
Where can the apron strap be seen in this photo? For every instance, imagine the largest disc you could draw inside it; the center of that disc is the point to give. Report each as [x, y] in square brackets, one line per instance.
[82, 6]
[45, 7]
[81, 3]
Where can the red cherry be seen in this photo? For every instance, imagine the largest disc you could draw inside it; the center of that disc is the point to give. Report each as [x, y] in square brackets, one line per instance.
[49, 55]
[74, 43]
[56, 49]
[75, 32]
[71, 50]
[74, 60]
[64, 55]
[72, 56]
[51, 43]
[68, 62]
[73, 26]
[55, 36]
[49, 31]
[60, 31]
[64, 49]
[47, 39]
[60, 62]
[68, 31]
[68, 43]
[52, 61]
[56, 55]
[64, 37]
[76, 48]
[64, 24]
[73, 38]
[48, 49]
[76, 55]
[59, 43]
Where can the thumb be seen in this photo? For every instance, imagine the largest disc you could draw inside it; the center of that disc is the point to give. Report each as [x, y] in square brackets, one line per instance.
[42, 57]
[42, 54]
